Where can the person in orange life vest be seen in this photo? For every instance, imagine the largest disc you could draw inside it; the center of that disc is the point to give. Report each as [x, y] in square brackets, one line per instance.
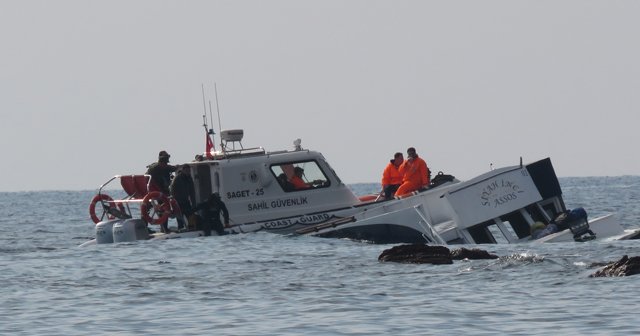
[391, 177]
[415, 173]
[297, 181]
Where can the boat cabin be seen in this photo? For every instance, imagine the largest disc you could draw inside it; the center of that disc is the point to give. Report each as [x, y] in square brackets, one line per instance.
[257, 185]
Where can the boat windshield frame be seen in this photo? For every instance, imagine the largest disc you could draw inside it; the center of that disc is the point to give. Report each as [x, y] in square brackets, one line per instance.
[313, 175]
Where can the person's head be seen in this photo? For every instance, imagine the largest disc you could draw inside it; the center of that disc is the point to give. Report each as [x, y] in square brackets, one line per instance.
[411, 153]
[199, 157]
[215, 197]
[298, 171]
[398, 158]
[185, 169]
[163, 156]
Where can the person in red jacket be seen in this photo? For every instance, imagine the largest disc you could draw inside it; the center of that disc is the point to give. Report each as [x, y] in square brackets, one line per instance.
[297, 181]
[415, 173]
[391, 177]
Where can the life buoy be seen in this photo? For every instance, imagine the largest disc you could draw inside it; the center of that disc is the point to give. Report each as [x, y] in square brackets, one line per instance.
[103, 198]
[155, 208]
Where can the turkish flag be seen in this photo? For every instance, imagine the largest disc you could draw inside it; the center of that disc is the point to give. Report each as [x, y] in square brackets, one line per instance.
[210, 146]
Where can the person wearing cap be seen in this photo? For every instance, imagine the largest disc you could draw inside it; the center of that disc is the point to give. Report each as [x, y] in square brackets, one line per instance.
[161, 173]
[161, 178]
[212, 208]
[415, 173]
[183, 192]
[391, 176]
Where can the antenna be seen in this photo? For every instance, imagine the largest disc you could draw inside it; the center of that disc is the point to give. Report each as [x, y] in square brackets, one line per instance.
[215, 88]
[204, 116]
[211, 129]
[204, 105]
[208, 131]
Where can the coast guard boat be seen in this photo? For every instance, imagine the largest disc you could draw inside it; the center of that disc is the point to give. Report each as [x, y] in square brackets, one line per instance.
[500, 206]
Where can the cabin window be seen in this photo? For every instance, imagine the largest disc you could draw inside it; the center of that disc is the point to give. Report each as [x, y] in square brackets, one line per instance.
[518, 223]
[536, 214]
[497, 234]
[481, 233]
[550, 207]
[296, 176]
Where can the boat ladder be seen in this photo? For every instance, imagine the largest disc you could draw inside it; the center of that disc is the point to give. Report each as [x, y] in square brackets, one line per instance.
[430, 234]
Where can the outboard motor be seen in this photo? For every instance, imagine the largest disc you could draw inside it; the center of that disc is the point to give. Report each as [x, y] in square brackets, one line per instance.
[140, 226]
[576, 221]
[130, 230]
[579, 225]
[124, 231]
[104, 231]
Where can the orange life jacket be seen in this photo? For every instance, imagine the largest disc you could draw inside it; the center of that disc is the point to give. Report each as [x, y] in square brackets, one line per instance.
[415, 171]
[391, 175]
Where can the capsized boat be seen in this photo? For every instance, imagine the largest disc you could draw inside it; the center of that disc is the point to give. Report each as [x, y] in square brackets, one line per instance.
[499, 206]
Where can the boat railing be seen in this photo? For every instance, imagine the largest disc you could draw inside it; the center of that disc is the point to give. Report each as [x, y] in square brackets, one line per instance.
[135, 186]
[230, 153]
[155, 206]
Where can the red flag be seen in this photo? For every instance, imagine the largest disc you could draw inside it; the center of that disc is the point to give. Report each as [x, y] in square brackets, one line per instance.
[210, 146]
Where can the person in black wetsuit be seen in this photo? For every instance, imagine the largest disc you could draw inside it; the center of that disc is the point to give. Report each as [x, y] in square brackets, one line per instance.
[212, 208]
[183, 192]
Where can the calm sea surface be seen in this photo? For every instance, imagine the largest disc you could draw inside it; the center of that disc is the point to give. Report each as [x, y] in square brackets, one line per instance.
[265, 284]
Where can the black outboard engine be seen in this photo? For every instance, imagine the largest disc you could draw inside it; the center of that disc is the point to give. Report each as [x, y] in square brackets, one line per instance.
[576, 221]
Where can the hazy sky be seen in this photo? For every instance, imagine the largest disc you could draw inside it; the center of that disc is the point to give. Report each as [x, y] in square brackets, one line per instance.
[90, 89]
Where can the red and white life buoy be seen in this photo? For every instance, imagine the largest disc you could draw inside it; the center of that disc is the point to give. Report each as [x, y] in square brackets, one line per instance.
[155, 208]
[103, 198]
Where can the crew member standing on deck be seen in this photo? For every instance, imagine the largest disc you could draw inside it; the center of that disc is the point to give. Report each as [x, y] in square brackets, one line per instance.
[184, 193]
[161, 178]
[415, 173]
[161, 173]
[391, 177]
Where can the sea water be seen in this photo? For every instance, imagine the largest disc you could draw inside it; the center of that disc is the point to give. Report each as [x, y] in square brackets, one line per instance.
[267, 284]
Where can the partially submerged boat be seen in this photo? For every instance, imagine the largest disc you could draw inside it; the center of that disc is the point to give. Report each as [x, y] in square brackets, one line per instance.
[500, 206]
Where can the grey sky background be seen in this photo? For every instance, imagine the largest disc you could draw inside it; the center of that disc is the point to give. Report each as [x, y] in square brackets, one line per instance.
[90, 89]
